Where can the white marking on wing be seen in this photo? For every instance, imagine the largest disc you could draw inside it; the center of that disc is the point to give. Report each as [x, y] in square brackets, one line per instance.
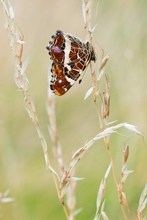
[67, 50]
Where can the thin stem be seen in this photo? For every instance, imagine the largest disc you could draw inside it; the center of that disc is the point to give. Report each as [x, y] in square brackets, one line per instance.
[114, 176]
[51, 109]
[65, 211]
[123, 211]
[111, 159]
[94, 85]
[16, 43]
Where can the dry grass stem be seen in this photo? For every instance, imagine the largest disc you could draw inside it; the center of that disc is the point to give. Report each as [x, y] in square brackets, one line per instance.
[16, 44]
[81, 151]
[142, 203]
[87, 25]
[65, 179]
[51, 109]
[104, 216]
[103, 111]
[124, 174]
[100, 194]
[16, 39]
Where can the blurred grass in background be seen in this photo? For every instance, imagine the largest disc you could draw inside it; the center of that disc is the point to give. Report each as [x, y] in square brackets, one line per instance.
[121, 30]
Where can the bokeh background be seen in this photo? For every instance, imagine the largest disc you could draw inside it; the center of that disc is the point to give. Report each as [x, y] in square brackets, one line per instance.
[122, 31]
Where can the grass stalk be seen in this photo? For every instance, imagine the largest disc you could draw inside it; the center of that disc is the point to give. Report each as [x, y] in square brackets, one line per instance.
[65, 180]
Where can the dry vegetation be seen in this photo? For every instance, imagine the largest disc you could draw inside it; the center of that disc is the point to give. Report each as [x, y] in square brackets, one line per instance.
[63, 174]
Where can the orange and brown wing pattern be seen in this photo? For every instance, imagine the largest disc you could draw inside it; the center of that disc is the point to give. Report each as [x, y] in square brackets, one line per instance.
[70, 57]
[56, 48]
[59, 83]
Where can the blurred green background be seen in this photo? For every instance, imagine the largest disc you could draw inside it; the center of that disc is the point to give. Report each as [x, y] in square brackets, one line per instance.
[122, 31]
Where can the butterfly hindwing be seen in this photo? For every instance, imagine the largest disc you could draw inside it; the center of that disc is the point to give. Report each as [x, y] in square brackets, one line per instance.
[59, 83]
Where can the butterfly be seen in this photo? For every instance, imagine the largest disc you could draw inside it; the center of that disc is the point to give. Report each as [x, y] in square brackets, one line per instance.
[70, 57]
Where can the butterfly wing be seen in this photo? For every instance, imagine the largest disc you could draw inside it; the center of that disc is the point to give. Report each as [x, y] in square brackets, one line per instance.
[60, 83]
[70, 58]
[77, 57]
[56, 47]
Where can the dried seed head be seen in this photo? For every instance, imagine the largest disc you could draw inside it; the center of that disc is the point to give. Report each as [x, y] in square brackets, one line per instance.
[103, 62]
[126, 154]
[105, 110]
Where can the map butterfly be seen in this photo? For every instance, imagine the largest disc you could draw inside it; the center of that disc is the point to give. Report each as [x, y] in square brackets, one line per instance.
[70, 57]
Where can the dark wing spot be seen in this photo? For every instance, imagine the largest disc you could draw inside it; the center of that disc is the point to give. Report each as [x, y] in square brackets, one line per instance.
[71, 64]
